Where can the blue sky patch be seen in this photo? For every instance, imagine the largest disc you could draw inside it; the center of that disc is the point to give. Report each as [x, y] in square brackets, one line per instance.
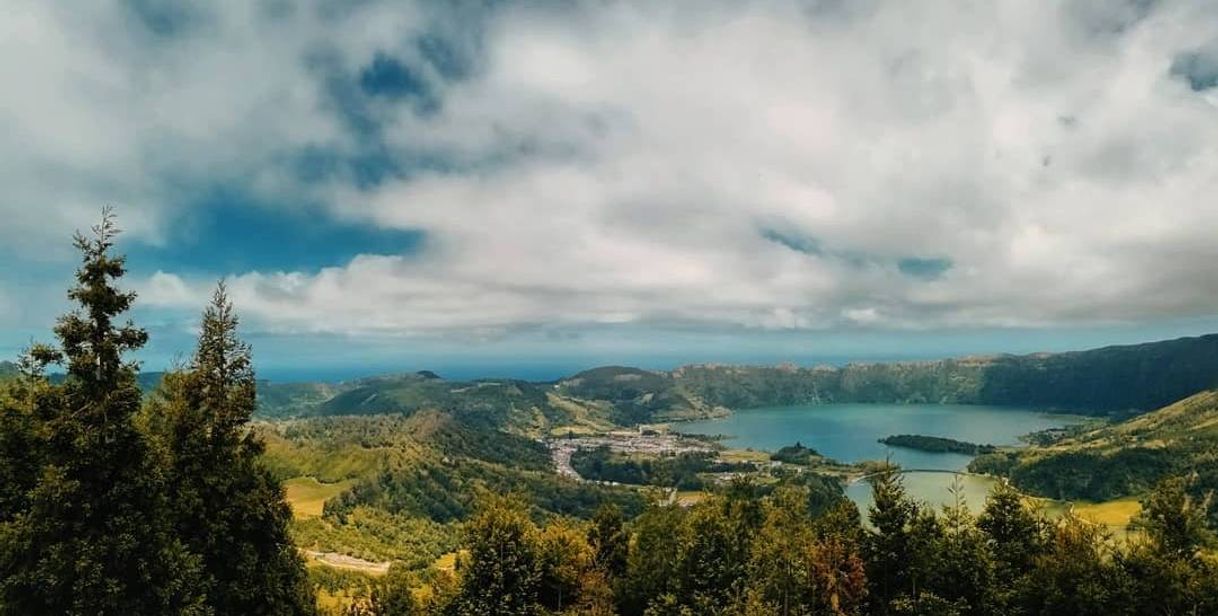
[925, 269]
[388, 77]
[230, 235]
[799, 243]
[1199, 68]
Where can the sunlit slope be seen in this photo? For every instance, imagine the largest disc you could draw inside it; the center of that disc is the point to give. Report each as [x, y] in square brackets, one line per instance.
[1123, 459]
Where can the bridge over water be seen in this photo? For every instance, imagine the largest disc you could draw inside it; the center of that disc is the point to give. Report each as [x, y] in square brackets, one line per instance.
[904, 471]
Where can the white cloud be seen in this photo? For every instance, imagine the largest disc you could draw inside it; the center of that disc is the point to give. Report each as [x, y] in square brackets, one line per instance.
[624, 162]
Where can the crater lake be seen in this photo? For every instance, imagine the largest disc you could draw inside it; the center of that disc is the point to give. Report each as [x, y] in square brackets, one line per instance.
[851, 433]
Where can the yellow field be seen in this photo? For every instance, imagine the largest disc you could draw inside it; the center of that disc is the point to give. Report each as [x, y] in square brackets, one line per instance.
[307, 495]
[1114, 514]
[685, 498]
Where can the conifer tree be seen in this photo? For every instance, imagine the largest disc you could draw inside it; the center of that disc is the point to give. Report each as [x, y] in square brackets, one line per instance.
[652, 570]
[94, 536]
[962, 567]
[20, 449]
[1015, 537]
[227, 507]
[890, 549]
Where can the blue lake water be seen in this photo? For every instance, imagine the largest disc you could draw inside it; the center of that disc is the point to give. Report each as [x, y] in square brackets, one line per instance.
[850, 433]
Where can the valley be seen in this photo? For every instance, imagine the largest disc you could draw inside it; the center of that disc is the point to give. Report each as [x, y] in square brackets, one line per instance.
[372, 461]
[383, 473]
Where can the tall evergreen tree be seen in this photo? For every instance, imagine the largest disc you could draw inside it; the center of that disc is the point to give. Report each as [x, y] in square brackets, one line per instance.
[20, 449]
[1015, 537]
[227, 507]
[94, 536]
[962, 569]
[890, 547]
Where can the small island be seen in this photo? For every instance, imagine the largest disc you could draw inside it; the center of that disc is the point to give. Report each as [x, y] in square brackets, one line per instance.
[796, 454]
[936, 444]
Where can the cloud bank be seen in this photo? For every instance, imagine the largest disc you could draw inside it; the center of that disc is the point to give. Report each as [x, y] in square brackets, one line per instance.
[769, 165]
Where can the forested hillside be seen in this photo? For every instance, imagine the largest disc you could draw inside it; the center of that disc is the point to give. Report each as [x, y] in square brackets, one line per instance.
[1112, 379]
[637, 396]
[1124, 459]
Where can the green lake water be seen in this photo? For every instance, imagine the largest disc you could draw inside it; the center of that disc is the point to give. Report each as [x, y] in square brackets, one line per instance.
[850, 433]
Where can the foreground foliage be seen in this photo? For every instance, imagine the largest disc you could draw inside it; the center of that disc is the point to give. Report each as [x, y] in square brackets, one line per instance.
[740, 553]
[107, 511]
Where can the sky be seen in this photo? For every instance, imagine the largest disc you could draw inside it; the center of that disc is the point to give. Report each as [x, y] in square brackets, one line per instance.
[531, 188]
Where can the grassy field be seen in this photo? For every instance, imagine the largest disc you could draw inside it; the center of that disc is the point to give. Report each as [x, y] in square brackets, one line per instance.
[687, 498]
[307, 495]
[745, 455]
[1115, 514]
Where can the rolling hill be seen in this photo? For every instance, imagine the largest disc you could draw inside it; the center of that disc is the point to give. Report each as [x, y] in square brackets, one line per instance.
[637, 396]
[1122, 459]
[1116, 379]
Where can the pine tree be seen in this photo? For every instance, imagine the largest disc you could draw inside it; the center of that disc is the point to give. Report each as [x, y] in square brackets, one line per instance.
[714, 553]
[227, 507]
[890, 549]
[20, 447]
[962, 567]
[94, 536]
[1015, 537]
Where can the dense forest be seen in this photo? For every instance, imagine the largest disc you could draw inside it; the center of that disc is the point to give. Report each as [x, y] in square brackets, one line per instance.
[745, 552]
[680, 471]
[1115, 379]
[1122, 459]
[118, 496]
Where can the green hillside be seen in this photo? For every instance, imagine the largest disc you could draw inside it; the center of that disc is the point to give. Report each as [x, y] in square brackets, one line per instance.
[510, 404]
[292, 399]
[1111, 379]
[400, 484]
[1123, 459]
[1117, 380]
[637, 396]
[7, 370]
